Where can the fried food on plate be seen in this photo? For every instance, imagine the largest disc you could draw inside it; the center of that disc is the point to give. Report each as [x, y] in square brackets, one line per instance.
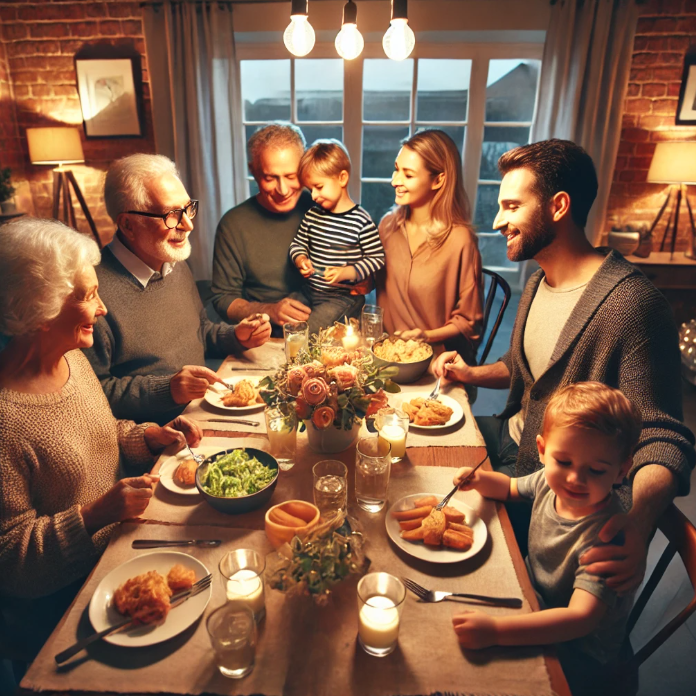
[411, 524]
[453, 515]
[244, 393]
[413, 513]
[180, 578]
[457, 540]
[427, 412]
[185, 473]
[145, 598]
[437, 528]
[434, 526]
[426, 500]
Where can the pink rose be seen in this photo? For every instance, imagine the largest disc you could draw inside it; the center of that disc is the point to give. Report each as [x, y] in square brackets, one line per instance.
[314, 391]
[314, 369]
[377, 400]
[323, 417]
[302, 408]
[345, 375]
[296, 376]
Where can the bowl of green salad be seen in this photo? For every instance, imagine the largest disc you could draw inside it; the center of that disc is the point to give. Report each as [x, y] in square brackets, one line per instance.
[237, 480]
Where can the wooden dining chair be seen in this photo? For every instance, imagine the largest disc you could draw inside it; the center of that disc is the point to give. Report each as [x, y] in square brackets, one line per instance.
[496, 282]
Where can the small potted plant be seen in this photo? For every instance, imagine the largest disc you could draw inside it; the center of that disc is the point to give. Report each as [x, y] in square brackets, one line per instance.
[7, 191]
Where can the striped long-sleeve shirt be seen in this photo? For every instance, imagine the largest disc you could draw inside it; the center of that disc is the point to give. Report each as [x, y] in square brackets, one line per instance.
[338, 239]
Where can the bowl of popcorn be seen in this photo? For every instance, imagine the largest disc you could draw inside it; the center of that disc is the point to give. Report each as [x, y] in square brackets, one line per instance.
[410, 357]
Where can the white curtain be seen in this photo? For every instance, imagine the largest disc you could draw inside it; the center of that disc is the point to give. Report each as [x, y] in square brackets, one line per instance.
[196, 110]
[584, 75]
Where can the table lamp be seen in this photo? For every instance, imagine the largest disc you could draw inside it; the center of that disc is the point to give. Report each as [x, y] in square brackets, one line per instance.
[675, 164]
[61, 146]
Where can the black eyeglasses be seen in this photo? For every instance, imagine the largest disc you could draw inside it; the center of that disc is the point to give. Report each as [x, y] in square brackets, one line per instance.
[172, 219]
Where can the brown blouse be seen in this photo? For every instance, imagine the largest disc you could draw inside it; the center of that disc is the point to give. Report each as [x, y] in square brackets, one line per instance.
[434, 287]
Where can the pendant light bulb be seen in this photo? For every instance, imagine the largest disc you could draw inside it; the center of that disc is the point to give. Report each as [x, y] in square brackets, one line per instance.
[399, 41]
[299, 36]
[349, 41]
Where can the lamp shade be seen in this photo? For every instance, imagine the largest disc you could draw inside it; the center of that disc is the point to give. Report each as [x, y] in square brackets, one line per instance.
[673, 163]
[55, 145]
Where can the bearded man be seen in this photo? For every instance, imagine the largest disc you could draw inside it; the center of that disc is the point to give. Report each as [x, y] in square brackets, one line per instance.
[586, 315]
[149, 350]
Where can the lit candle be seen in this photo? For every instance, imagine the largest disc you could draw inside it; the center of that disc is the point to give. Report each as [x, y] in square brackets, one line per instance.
[395, 435]
[351, 339]
[379, 623]
[246, 586]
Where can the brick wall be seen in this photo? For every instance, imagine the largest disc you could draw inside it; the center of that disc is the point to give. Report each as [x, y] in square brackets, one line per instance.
[666, 31]
[40, 41]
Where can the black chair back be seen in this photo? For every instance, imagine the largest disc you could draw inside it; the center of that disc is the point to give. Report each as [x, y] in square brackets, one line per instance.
[487, 337]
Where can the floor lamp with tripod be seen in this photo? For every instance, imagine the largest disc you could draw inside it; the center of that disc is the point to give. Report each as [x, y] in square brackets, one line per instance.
[61, 146]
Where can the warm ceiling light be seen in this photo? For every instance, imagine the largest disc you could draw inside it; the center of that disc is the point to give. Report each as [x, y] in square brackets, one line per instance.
[399, 40]
[299, 36]
[349, 42]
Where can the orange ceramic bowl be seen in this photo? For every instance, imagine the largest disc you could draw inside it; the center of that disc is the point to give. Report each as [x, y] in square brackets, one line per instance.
[278, 530]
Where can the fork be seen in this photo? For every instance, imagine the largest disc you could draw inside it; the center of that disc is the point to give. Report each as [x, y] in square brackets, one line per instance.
[446, 499]
[437, 596]
[436, 391]
[176, 600]
[198, 458]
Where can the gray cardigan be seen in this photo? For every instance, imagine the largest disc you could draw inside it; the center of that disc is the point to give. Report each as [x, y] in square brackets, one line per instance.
[621, 333]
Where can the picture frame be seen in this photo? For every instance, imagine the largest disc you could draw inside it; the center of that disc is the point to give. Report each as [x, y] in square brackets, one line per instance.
[110, 91]
[686, 106]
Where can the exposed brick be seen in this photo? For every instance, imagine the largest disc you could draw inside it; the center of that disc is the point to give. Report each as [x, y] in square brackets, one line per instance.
[84, 29]
[673, 89]
[42, 91]
[123, 9]
[637, 106]
[645, 149]
[110, 28]
[656, 25]
[633, 175]
[49, 12]
[21, 91]
[629, 120]
[55, 30]
[641, 75]
[670, 58]
[653, 121]
[71, 46]
[132, 27]
[680, 43]
[667, 74]
[664, 106]
[15, 31]
[64, 90]
[621, 163]
[687, 26]
[639, 162]
[8, 14]
[95, 9]
[643, 59]
[633, 90]
[634, 135]
[654, 89]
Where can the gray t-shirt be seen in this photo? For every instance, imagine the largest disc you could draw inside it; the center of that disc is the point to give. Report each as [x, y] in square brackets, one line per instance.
[555, 545]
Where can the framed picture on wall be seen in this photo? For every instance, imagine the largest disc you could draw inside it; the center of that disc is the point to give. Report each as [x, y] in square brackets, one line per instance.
[686, 107]
[110, 97]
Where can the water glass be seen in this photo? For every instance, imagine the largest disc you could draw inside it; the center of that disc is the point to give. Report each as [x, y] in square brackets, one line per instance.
[371, 323]
[296, 339]
[380, 604]
[242, 573]
[281, 427]
[392, 426]
[330, 486]
[372, 467]
[232, 634]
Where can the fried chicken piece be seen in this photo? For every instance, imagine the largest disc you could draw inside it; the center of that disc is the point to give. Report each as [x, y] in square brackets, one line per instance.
[180, 578]
[434, 526]
[433, 413]
[457, 540]
[145, 598]
[185, 473]
[242, 394]
[410, 411]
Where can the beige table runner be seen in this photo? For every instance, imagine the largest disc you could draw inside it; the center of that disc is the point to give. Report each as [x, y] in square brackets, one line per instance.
[307, 650]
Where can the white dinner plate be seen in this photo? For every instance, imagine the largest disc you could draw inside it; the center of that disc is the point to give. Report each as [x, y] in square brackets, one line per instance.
[436, 554]
[102, 613]
[214, 397]
[457, 410]
[169, 466]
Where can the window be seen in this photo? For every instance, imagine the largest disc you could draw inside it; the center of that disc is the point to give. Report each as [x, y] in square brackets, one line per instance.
[482, 95]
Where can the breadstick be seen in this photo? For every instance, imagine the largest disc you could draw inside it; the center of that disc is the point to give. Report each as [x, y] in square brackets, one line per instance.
[412, 514]
[428, 500]
[461, 528]
[413, 534]
[456, 540]
[279, 516]
[453, 515]
[411, 524]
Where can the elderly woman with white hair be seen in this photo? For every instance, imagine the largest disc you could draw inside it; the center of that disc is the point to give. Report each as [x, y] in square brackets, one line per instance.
[60, 445]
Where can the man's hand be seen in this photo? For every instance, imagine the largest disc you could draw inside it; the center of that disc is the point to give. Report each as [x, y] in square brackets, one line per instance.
[181, 430]
[128, 498]
[475, 630]
[337, 274]
[304, 265]
[253, 331]
[451, 367]
[622, 566]
[288, 310]
[191, 382]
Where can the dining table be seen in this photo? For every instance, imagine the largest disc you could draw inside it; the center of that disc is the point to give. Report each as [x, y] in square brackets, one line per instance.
[305, 648]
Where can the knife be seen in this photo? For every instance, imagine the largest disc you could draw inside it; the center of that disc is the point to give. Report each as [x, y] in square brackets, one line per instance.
[241, 421]
[155, 543]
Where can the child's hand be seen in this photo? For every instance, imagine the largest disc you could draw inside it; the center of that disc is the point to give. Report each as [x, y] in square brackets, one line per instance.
[305, 266]
[337, 274]
[462, 474]
[475, 630]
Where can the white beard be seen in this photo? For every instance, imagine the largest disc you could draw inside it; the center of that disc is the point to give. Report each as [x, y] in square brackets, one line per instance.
[162, 250]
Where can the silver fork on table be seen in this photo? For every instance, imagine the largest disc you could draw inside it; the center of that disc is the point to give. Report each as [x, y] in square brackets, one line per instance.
[179, 598]
[438, 596]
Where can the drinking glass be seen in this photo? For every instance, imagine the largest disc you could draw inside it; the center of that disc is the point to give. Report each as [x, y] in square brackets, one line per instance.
[380, 604]
[371, 323]
[392, 426]
[330, 486]
[282, 434]
[232, 634]
[242, 573]
[296, 338]
[372, 466]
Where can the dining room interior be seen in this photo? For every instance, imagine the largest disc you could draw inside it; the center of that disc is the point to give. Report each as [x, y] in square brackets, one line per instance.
[317, 557]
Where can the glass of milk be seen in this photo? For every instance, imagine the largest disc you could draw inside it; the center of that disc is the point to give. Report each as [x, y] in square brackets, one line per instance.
[392, 426]
[296, 339]
[381, 598]
[232, 632]
[242, 574]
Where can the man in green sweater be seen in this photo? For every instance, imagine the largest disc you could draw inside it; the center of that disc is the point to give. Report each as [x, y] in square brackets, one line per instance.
[252, 272]
[149, 350]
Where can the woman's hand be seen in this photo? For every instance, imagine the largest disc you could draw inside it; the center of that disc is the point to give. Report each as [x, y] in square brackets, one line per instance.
[337, 274]
[128, 498]
[304, 266]
[450, 366]
[412, 334]
[180, 431]
[253, 331]
[475, 630]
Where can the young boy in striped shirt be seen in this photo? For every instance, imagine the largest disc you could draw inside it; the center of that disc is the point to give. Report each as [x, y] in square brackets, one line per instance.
[337, 247]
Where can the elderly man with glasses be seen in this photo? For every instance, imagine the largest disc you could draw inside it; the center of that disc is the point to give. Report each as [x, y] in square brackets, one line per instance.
[150, 348]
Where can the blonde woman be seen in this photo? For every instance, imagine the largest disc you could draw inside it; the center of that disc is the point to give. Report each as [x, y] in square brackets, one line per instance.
[431, 286]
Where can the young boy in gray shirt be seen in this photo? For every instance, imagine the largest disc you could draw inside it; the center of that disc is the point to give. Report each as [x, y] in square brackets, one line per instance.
[588, 436]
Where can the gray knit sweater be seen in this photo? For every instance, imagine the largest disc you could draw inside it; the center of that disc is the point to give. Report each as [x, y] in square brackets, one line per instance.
[621, 333]
[148, 335]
